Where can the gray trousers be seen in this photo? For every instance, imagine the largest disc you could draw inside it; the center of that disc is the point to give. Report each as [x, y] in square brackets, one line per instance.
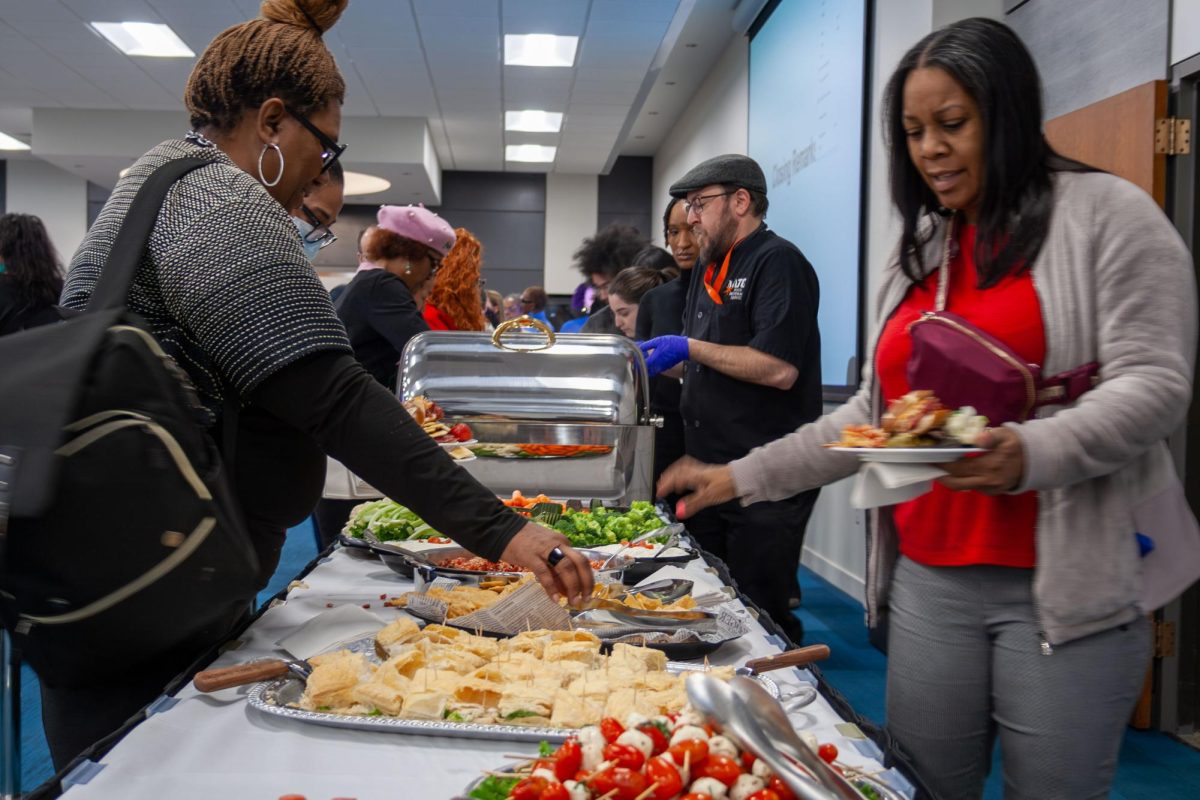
[964, 664]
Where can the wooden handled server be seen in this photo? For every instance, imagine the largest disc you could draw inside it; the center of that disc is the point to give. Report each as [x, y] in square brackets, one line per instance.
[213, 680]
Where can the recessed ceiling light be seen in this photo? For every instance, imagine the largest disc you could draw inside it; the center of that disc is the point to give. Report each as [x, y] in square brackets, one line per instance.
[361, 183]
[533, 121]
[534, 153]
[539, 50]
[144, 39]
[9, 143]
[691, 44]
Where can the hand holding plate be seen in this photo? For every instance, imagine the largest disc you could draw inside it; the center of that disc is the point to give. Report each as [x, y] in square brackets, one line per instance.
[995, 472]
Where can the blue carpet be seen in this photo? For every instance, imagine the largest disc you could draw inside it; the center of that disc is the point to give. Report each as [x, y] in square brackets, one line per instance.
[1152, 765]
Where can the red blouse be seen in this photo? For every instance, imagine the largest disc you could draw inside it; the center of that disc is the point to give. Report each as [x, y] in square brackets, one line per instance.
[436, 319]
[945, 527]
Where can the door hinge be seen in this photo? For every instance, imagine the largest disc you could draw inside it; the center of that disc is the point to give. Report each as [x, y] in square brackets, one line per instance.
[1173, 136]
[1164, 639]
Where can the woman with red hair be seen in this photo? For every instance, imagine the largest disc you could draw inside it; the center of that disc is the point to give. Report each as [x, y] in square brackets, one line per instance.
[455, 304]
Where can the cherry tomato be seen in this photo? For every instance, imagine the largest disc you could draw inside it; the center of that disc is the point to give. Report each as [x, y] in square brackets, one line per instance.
[460, 432]
[696, 796]
[610, 729]
[542, 763]
[656, 735]
[556, 791]
[624, 755]
[567, 760]
[722, 768]
[660, 771]
[292, 797]
[710, 729]
[748, 760]
[697, 749]
[776, 785]
[624, 784]
[530, 788]
[761, 794]
[828, 752]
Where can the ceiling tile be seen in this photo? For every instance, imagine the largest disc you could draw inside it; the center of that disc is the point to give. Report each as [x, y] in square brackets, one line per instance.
[457, 8]
[38, 10]
[112, 10]
[628, 11]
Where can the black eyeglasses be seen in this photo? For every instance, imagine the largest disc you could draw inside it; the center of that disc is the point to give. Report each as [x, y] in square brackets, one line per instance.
[332, 150]
[321, 233]
[698, 206]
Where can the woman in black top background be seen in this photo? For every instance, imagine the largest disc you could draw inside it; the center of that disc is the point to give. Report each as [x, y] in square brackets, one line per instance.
[227, 290]
[30, 274]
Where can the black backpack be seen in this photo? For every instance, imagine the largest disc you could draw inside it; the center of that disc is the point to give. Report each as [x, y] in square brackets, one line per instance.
[120, 538]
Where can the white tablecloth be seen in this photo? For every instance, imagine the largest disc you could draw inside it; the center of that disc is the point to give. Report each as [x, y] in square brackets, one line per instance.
[216, 746]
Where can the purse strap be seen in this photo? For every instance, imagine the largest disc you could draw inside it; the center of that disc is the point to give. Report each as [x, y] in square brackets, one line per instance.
[1065, 387]
[112, 290]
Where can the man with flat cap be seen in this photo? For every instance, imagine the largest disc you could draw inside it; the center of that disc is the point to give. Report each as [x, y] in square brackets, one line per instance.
[750, 358]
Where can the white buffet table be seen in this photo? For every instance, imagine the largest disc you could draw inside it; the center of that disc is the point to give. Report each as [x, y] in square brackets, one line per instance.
[216, 746]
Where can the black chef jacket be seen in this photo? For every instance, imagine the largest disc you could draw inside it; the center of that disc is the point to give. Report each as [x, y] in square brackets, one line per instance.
[770, 297]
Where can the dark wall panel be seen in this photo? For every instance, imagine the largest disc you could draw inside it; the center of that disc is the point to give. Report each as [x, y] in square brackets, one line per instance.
[624, 195]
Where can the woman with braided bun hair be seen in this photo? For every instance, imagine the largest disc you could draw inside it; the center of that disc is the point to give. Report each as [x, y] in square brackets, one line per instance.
[228, 292]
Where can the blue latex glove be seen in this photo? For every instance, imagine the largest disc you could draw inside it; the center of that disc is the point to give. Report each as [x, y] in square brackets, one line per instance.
[664, 352]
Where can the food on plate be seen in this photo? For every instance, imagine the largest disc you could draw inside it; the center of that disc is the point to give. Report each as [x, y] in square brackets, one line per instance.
[918, 419]
[460, 453]
[542, 678]
[600, 526]
[520, 501]
[534, 450]
[636, 758]
[480, 564]
[388, 521]
[640, 602]
[430, 416]
[463, 600]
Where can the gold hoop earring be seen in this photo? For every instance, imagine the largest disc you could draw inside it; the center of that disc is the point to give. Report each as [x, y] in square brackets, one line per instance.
[408, 269]
[262, 178]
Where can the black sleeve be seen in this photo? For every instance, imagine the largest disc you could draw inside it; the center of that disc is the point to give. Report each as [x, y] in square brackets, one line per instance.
[358, 422]
[783, 306]
[645, 317]
[393, 314]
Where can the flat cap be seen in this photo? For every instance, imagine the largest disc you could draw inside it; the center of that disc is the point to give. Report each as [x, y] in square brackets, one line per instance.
[738, 170]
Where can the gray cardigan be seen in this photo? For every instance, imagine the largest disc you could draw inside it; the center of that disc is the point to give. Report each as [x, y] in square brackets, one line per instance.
[1116, 286]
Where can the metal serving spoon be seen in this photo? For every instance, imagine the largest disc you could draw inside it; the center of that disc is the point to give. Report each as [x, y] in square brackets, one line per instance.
[716, 700]
[778, 729]
[671, 531]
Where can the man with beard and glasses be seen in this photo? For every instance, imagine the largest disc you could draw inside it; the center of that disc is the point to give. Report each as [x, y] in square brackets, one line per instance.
[750, 358]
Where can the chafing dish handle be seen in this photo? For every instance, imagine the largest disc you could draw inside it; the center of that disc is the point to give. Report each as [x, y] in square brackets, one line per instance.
[523, 321]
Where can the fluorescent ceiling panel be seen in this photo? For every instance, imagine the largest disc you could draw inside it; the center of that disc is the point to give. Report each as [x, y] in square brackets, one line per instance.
[149, 39]
[533, 121]
[532, 153]
[539, 50]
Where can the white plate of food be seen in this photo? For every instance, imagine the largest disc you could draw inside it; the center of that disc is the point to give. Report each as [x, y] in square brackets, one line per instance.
[457, 443]
[909, 455]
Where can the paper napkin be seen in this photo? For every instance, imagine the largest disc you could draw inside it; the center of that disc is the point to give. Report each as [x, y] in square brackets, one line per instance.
[879, 484]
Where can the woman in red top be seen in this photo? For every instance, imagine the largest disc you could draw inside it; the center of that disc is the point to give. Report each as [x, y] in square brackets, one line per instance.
[455, 303]
[1012, 614]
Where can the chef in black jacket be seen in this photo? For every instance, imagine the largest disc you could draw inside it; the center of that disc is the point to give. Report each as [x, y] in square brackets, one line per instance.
[750, 358]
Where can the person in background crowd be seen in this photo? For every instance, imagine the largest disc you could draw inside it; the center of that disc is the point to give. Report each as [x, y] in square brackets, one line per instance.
[751, 356]
[264, 101]
[30, 274]
[655, 257]
[603, 320]
[454, 303]
[319, 210]
[533, 304]
[626, 292]
[512, 306]
[401, 253]
[493, 306]
[336, 291]
[600, 258]
[661, 314]
[1017, 590]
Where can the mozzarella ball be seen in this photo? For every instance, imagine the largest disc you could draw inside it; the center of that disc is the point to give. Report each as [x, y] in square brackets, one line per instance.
[686, 732]
[639, 740]
[745, 786]
[635, 719]
[689, 716]
[721, 746]
[591, 735]
[593, 755]
[760, 769]
[548, 774]
[711, 787]
[577, 791]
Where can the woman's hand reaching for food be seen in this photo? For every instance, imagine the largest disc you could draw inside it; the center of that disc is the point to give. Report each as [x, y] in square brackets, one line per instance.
[560, 569]
[702, 485]
[995, 472]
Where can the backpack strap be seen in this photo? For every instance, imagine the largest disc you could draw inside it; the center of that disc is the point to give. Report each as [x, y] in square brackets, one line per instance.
[130, 245]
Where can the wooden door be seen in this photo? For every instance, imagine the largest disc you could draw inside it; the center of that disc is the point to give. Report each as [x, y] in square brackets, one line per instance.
[1117, 135]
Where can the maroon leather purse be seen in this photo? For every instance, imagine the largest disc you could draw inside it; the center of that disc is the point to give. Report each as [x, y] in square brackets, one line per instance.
[966, 366]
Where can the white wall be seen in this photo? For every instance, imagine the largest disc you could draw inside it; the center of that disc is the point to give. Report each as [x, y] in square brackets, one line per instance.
[1185, 29]
[715, 122]
[57, 196]
[572, 203]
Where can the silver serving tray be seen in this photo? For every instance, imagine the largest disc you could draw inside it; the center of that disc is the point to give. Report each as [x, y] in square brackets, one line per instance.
[273, 697]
